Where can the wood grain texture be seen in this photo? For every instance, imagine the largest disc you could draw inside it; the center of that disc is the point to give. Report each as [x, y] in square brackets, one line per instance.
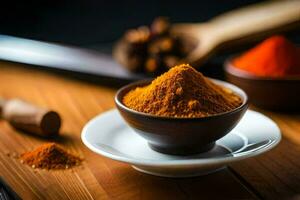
[272, 175]
[276, 174]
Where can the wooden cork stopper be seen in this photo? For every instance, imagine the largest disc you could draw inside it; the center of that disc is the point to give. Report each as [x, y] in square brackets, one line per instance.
[30, 118]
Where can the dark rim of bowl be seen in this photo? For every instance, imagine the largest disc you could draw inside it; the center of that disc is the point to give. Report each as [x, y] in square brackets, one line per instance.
[231, 69]
[133, 85]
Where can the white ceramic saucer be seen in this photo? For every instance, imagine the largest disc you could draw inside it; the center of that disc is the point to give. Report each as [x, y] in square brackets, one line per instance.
[109, 135]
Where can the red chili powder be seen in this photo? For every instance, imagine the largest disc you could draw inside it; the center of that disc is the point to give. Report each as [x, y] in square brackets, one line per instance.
[274, 57]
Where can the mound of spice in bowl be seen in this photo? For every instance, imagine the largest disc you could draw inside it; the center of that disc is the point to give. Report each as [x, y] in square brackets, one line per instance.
[182, 92]
[274, 57]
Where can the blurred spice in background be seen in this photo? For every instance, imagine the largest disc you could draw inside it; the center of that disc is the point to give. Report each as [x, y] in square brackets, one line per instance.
[151, 49]
[274, 57]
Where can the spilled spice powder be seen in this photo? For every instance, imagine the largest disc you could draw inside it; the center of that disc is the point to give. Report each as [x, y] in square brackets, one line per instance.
[50, 156]
[182, 92]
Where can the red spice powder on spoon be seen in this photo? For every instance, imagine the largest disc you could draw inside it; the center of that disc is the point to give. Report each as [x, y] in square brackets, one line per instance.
[274, 57]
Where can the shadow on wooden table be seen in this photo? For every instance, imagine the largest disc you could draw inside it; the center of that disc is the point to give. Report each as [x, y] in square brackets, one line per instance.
[62, 138]
[276, 174]
[129, 183]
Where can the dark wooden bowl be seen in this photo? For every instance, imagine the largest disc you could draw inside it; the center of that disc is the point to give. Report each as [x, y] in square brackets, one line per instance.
[270, 93]
[181, 136]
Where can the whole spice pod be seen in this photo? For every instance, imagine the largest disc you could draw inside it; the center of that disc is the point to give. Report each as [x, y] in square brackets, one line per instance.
[130, 51]
[161, 46]
[160, 26]
[30, 118]
[124, 54]
[151, 50]
[152, 65]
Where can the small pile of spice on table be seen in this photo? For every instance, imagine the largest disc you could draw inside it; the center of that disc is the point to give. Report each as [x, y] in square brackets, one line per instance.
[50, 156]
[182, 92]
[151, 50]
[274, 57]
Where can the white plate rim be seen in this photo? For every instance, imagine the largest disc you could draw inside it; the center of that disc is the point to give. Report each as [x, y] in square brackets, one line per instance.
[176, 163]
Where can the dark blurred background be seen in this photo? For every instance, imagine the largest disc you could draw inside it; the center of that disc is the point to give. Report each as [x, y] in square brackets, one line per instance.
[88, 22]
[98, 24]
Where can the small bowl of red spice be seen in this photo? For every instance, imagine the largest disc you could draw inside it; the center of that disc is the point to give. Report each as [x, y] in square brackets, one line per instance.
[181, 112]
[269, 73]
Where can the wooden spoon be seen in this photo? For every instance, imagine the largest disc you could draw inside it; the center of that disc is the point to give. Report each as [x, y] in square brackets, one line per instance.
[239, 26]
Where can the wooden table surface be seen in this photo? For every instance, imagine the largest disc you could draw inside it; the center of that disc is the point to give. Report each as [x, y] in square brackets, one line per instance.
[273, 175]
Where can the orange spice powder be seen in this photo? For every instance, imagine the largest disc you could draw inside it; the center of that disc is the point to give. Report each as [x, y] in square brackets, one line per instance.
[50, 156]
[182, 92]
